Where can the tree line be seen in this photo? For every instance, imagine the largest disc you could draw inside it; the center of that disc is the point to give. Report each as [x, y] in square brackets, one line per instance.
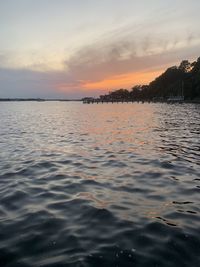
[175, 81]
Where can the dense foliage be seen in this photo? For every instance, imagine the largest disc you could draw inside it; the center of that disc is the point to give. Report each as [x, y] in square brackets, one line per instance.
[175, 81]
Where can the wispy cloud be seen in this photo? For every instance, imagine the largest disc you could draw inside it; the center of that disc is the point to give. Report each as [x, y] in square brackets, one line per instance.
[93, 69]
[109, 61]
[132, 51]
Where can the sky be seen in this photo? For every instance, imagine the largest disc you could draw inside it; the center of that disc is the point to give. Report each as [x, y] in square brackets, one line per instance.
[76, 48]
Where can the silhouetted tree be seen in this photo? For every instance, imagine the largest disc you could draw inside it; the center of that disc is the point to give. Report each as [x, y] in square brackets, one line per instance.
[186, 76]
[185, 66]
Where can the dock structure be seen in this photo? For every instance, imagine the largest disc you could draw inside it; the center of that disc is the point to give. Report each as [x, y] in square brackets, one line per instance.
[175, 99]
[101, 101]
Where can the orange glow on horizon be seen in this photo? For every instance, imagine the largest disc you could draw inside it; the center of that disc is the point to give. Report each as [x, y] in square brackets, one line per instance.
[127, 80]
[124, 80]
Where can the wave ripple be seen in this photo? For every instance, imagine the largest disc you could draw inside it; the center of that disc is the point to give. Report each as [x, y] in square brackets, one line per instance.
[99, 185]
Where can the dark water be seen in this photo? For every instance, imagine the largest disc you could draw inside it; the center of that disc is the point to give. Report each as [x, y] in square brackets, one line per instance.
[113, 185]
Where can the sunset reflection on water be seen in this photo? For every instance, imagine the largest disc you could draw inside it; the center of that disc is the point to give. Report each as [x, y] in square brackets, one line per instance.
[91, 181]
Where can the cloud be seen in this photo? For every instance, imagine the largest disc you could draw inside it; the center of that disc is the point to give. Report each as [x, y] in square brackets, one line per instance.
[109, 61]
[120, 58]
[26, 83]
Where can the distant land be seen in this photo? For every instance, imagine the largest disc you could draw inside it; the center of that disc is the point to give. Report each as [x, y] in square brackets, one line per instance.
[35, 99]
[181, 82]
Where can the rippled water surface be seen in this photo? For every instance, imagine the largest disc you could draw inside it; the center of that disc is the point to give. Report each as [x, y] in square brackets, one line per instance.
[112, 185]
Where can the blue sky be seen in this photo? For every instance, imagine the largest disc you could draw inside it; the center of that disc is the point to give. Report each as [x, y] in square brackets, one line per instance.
[65, 48]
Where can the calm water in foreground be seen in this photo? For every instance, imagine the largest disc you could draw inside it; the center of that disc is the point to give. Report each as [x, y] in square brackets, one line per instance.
[112, 185]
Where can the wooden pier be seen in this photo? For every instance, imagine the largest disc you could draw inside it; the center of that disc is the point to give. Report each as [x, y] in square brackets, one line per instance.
[112, 101]
[98, 101]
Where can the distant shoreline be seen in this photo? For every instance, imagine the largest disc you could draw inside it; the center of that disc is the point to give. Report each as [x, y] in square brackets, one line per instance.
[35, 100]
[195, 101]
[141, 101]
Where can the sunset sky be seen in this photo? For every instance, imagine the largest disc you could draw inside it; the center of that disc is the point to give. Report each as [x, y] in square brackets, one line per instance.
[76, 48]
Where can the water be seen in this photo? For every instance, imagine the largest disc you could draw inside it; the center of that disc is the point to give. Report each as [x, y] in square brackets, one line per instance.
[113, 185]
